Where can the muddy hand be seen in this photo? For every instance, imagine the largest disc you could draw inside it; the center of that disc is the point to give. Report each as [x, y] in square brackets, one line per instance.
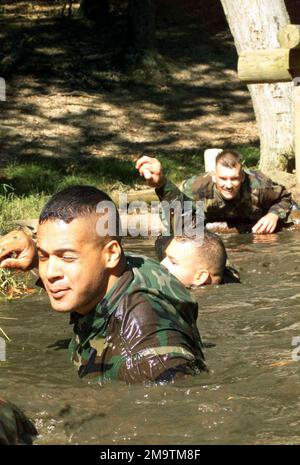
[266, 225]
[18, 251]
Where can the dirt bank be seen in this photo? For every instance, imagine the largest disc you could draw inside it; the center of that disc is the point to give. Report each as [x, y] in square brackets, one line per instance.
[68, 96]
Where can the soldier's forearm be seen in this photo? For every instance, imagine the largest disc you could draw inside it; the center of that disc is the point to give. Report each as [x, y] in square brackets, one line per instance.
[279, 200]
[169, 191]
[282, 209]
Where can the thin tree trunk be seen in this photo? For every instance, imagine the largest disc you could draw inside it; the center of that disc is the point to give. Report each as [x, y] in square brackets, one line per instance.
[94, 9]
[141, 25]
[254, 25]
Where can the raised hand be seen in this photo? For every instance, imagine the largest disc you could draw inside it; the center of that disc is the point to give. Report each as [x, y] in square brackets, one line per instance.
[152, 171]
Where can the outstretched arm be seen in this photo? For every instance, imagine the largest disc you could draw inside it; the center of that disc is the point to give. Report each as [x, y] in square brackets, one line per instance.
[266, 225]
[279, 203]
[166, 191]
[151, 169]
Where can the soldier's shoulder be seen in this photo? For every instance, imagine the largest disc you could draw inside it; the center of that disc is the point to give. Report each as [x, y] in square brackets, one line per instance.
[154, 279]
[257, 179]
[201, 186]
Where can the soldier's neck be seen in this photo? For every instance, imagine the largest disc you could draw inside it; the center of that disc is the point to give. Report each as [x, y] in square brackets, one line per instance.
[115, 274]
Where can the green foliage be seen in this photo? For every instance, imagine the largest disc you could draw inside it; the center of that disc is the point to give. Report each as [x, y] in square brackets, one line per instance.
[250, 155]
[46, 176]
[15, 208]
[29, 185]
[14, 285]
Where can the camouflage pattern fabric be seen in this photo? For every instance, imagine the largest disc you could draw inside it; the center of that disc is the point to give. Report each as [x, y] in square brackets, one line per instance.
[15, 427]
[258, 196]
[144, 329]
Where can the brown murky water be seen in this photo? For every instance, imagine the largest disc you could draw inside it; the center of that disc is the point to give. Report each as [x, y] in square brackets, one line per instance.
[251, 395]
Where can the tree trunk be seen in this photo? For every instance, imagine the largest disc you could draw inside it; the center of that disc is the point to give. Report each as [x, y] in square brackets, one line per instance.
[141, 26]
[254, 25]
[94, 9]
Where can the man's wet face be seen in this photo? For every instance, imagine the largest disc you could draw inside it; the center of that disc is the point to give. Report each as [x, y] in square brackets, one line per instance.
[228, 180]
[180, 261]
[71, 263]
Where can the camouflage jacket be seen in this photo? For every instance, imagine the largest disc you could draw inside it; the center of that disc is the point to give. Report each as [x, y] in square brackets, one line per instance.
[144, 329]
[258, 196]
[15, 427]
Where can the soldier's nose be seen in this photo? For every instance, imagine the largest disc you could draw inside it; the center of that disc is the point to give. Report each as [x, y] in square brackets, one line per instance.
[53, 270]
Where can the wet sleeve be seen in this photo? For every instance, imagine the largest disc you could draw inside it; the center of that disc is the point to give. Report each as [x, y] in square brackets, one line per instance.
[155, 351]
[276, 199]
[15, 427]
[170, 192]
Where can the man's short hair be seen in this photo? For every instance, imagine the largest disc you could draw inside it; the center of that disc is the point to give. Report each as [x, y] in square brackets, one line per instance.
[229, 159]
[78, 201]
[210, 252]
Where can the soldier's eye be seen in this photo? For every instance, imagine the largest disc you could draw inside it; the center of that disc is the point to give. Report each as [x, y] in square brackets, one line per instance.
[68, 258]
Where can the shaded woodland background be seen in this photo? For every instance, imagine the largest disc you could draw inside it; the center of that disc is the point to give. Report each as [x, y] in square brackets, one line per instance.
[79, 106]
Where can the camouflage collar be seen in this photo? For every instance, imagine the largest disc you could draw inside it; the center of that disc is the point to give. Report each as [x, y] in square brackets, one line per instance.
[112, 298]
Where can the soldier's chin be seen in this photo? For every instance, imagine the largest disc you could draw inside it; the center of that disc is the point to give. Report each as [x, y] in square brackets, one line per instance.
[228, 195]
[61, 307]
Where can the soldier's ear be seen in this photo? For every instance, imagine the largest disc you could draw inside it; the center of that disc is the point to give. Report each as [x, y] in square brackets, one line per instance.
[201, 277]
[113, 253]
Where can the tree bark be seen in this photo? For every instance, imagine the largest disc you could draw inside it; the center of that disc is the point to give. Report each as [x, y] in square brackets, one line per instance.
[141, 26]
[254, 25]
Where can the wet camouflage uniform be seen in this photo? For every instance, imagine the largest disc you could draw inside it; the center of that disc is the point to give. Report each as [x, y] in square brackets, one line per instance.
[144, 329]
[15, 428]
[258, 196]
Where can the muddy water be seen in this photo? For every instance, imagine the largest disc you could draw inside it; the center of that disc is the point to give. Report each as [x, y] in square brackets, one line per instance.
[251, 395]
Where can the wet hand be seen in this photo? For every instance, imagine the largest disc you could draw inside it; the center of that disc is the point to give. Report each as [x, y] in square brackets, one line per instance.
[266, 225]
[23, 248]
[152, 171]
[15, 427]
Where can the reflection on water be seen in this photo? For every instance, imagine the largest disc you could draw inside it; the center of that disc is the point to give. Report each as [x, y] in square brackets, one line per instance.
[251, 394]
